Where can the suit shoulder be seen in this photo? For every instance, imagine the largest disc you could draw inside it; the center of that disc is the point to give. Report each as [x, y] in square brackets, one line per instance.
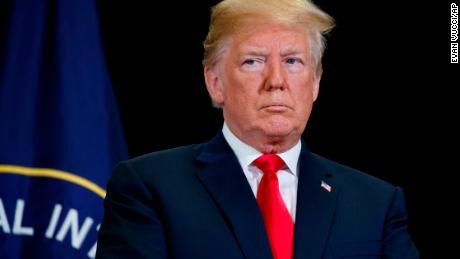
[163, 159]
[172, 153]
[349, 176]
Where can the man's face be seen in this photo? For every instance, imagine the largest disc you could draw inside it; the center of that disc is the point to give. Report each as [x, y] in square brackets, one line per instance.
[265, 84]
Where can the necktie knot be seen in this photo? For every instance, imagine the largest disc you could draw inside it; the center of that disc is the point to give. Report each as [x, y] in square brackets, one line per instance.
[269, 163]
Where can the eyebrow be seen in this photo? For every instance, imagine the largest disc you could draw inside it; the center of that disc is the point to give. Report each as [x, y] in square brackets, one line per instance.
[292, 51]
[263, 53]
[259, 52]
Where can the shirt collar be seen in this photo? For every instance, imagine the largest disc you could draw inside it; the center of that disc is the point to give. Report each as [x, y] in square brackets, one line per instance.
[247, 154]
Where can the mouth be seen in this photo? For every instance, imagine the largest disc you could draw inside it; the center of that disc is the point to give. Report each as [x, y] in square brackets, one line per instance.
[275, 107]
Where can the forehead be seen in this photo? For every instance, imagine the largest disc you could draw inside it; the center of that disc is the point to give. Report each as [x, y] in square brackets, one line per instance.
[270, 37]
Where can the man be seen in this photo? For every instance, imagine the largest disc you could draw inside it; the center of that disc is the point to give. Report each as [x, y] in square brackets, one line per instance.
[255, 190]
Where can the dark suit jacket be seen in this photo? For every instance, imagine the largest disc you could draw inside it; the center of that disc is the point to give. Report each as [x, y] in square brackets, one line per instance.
[195, 202]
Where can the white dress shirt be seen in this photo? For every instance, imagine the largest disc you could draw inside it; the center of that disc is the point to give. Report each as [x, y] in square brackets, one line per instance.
[287, 176]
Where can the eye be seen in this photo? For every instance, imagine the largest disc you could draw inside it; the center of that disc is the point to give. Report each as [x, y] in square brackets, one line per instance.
[292, 61]
[253, 64]
[294, 64]
[249, 62]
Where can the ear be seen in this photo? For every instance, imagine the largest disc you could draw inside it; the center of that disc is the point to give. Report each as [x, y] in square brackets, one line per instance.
[318, 72]
[214, 85]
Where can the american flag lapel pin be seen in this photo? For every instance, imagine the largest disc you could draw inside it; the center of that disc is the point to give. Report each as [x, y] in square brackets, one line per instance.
[326, 186]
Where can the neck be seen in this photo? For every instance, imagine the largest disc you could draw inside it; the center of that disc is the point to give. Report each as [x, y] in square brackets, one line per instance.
[266, 144]
[274, 146]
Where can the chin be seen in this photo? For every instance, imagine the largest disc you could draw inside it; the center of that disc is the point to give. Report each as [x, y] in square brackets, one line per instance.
[278, 129]
[282, 128]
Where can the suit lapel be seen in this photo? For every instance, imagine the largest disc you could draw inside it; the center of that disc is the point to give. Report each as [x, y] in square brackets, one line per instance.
[315, 207]
[224, 179]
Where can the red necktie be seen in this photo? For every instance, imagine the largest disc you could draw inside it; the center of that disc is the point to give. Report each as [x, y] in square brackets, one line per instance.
[278, 221]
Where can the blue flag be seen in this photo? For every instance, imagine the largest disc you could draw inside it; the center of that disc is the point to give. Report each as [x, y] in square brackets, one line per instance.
[60, 133]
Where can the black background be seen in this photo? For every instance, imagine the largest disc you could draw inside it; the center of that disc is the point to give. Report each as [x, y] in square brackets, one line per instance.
[386, 103]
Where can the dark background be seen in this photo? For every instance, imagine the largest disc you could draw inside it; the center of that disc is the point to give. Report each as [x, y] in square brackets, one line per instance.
[386, 103]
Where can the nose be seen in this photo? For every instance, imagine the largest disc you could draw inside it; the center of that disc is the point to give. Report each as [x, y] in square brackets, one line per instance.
[275, 76]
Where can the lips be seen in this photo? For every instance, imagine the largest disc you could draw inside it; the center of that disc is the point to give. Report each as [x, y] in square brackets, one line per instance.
[275, 107]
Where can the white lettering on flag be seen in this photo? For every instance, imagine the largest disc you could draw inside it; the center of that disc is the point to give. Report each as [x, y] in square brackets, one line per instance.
[71, 223]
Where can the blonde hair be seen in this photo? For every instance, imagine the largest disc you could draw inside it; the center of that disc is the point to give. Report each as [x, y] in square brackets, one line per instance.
[231, 16]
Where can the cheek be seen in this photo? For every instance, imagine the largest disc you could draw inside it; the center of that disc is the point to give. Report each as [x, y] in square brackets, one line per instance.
[242, 88]
[304, 97]
[241, 99]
